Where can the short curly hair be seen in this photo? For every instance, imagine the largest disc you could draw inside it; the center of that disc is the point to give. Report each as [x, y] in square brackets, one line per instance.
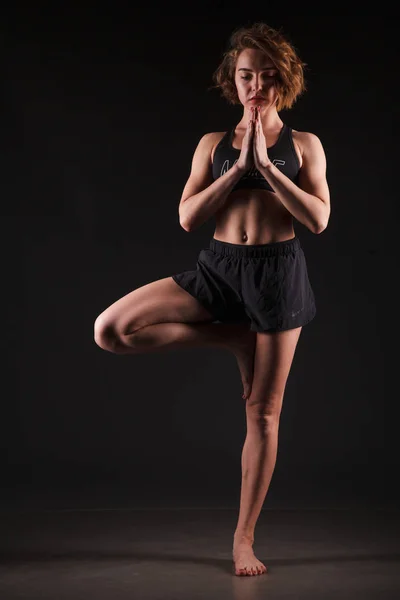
[290, 83]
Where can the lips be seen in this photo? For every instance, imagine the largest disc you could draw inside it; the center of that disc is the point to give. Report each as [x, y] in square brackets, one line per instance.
[257, 98]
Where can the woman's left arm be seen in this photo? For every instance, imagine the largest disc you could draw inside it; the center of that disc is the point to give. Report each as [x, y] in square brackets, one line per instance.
[309, 200]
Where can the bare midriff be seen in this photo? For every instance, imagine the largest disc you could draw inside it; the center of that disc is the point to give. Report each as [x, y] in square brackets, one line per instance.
[253, 216]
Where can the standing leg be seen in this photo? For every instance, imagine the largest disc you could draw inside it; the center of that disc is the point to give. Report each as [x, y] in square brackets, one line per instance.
[272, 362]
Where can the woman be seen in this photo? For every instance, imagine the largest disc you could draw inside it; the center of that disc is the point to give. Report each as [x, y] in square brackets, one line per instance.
[253, 179]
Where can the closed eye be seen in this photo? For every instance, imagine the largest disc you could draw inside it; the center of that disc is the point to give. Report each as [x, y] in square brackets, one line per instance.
[269, 75]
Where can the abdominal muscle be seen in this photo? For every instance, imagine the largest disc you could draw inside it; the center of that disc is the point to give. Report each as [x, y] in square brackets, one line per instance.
[253, 217]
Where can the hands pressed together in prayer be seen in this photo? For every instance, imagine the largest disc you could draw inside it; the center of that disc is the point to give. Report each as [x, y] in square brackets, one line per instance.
[254, 145]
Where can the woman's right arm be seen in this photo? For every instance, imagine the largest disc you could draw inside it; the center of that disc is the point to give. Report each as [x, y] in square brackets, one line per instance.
[202, 196]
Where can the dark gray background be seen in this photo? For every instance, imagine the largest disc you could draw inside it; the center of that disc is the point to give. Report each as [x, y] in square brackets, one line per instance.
[103, 109]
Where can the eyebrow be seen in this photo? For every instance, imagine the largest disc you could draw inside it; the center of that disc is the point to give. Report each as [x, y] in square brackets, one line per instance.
[264, 69]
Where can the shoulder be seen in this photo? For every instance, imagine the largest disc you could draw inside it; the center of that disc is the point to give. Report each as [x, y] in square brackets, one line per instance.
[308, 147]
[214, 137]
[204, 151]
[306, 142]
[211, 141]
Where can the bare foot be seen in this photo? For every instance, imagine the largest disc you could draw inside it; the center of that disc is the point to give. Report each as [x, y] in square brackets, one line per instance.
[244, 348]
[245, 561]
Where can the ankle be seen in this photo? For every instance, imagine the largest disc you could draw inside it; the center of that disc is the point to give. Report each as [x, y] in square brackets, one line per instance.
[243, 537]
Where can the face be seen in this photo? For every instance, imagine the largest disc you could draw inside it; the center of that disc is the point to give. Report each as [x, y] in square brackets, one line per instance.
[255, 76]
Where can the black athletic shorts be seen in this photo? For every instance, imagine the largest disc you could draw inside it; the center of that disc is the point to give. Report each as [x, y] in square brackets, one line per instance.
[264, 285]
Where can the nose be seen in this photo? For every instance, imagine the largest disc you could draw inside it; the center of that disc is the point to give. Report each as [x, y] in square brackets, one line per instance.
[257, 89]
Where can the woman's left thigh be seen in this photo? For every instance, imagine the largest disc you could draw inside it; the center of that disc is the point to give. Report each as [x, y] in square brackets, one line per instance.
[272, 362]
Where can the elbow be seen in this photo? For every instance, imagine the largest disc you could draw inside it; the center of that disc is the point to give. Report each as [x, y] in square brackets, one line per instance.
[185, 225]
[319, 228]
[184, 220]
[320, 225]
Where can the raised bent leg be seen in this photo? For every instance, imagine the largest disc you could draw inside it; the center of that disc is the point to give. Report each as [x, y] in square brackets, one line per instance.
[162, 316]
[167, 336]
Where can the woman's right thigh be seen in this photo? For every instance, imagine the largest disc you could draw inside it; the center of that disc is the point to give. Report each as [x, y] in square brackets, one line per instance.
[160, 301]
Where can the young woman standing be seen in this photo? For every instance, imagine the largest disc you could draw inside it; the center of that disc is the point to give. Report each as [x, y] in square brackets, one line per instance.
[254, 179]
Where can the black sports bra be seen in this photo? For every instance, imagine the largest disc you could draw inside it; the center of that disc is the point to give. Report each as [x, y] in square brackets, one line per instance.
[282, 154]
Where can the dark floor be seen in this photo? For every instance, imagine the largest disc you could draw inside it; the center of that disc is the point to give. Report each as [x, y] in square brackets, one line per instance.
[186, 553]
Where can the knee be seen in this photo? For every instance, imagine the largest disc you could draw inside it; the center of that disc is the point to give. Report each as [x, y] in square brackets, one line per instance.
[104, 334]
[264, 413]
[265, 421]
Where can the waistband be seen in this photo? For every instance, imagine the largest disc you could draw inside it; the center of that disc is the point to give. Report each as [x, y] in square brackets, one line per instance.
[255, 250]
